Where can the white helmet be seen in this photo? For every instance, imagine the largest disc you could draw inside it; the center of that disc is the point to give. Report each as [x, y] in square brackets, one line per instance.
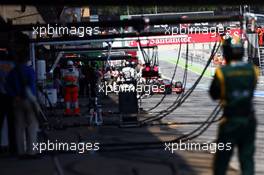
[69, 63]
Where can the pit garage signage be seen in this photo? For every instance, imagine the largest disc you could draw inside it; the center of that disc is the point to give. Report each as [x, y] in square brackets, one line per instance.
[188, 38]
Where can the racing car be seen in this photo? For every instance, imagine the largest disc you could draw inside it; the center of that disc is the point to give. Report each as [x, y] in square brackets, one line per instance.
[165, 86]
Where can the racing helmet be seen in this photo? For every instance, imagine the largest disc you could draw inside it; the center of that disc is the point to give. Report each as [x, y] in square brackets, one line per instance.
[232, 49]
[69, 63]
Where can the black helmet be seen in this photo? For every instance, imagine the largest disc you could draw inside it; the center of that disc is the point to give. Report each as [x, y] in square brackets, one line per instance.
[233, 49]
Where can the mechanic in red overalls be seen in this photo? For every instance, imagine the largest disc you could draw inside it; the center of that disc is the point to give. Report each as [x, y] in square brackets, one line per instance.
[71, 88]
[260, 33]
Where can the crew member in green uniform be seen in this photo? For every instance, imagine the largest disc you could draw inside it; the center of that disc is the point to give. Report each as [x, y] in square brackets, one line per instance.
[234, 85]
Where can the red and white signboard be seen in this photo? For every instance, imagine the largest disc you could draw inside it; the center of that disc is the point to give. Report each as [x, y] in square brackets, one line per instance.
[183, 39]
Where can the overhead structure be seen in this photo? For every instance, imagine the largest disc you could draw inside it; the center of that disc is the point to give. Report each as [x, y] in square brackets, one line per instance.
[129, 2]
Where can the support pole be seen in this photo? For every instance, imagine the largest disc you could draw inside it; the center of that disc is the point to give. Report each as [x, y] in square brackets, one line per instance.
[32, 53]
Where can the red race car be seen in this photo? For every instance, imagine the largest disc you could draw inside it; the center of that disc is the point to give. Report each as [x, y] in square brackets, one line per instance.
[178, 87]
[161, 86]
